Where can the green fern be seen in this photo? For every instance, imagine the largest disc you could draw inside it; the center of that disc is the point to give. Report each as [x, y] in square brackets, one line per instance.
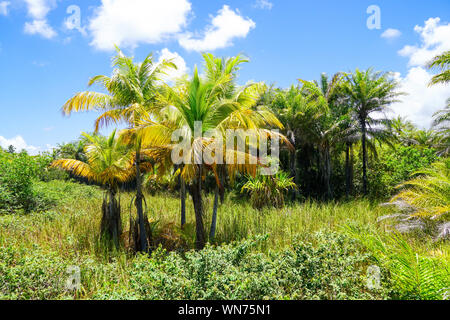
[414, 276]
[429, 191]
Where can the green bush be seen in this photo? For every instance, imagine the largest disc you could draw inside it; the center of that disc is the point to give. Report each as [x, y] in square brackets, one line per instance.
[393, 167]
[267, 191]
[30, 275]
[330, 266]
[19, 173]
[16, 178]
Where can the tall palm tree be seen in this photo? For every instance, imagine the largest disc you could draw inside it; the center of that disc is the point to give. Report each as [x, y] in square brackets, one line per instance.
[131, 95]
[287, 104]
[204, 104]
[322, 127]
[109, 164]
[369, 93]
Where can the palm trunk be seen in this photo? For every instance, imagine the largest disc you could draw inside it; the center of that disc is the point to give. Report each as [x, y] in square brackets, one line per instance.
[293, 162]
[347, 170]
[364, 156]
[196, 193]
[212, 232]
[183, 201]
[139, 197]
[327, 173]
[111, 224]
[293, 169]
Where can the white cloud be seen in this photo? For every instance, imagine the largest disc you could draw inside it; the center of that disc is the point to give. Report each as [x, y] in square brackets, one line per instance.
[263, 4]
[423, 101]
[391, 34]
[39, 27]
[181, 70]
[19, 144]
[435, 40]
[4, 7]
[38, 10]
[130, 22]
[227, 25]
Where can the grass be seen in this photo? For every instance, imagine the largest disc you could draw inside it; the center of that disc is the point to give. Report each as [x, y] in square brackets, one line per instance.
[68, 233]
[72, 226]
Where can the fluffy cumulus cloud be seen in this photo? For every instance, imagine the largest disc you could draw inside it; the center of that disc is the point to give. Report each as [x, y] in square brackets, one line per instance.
[225, 26]
[263, 4]
[19, 144]
[435, 38]
[175, 58]
[421, 100]
[391, 34]
[131, 22]
[38, 10]
[4, 8]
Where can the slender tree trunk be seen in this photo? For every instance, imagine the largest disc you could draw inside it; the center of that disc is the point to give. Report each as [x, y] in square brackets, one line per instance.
[196, 193]
[293, 169]
[364, 156]
[293, 162]
[327, 173]
[347, 170]
[307, 170]
[111, 224]
[183, 200]
[212, 232]
[139, 197]
[352, 168]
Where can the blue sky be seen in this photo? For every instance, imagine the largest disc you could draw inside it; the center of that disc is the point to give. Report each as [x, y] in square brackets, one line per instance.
[47, 54]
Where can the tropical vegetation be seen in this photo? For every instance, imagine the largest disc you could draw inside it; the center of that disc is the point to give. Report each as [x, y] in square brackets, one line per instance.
[359, 208]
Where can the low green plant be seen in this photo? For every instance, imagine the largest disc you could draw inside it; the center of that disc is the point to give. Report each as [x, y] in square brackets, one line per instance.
[429, 191]
[414, 275]
[266, 191]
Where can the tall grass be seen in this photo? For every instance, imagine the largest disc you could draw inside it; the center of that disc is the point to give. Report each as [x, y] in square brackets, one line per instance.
[72, 226]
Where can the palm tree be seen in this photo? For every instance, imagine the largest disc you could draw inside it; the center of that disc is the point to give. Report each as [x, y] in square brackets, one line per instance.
[109, 164]
[442, 117]
[287, 104]
[369, 93]
[441, 123]
[209, 104]
[322, 127]
[131, 95]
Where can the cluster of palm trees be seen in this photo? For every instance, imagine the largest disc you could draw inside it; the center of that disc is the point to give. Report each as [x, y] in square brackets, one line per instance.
[316, 118]
[334, 115]
[153, 112]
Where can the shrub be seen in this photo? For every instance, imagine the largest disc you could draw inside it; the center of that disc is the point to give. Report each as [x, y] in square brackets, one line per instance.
[393, 167]
[16, 174]
[329, 266]
[266, 191]
[30, 276]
